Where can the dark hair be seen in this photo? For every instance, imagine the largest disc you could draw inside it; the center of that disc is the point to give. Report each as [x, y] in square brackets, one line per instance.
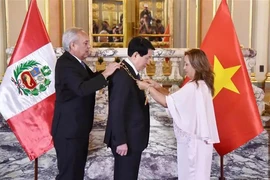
[203, 69]
[140, 45]
[104, 25]
[158, 21]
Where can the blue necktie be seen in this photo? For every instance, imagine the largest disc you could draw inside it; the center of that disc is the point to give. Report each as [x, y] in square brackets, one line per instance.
[138, 76]
[83, 64]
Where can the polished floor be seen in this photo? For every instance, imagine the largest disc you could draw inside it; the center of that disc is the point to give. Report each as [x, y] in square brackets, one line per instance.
[250, 161]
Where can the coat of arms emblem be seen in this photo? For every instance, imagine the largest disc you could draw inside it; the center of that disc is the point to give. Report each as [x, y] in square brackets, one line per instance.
[31, 78]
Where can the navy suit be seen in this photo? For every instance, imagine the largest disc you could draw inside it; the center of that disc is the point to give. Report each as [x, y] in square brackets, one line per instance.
[128, 122]
[75, 87]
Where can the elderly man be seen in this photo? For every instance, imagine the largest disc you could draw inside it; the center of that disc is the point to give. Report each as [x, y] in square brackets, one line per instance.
[75, 86]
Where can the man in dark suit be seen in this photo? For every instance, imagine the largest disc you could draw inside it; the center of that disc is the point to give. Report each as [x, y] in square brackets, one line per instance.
[75, 86]
[127, 131]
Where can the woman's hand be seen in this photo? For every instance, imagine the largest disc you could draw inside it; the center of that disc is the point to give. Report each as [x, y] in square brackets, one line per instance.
[143, 85]
[153, 83]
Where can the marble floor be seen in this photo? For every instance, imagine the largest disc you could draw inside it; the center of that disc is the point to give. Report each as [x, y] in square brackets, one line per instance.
[251, 161]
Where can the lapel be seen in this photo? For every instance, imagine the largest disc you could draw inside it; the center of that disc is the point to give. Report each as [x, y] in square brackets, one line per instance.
[139, 92]
[90, 72]
[131, 70]
[78, 65]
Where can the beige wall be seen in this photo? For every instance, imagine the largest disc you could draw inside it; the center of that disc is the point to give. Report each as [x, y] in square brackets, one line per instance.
[55, 20]
[180, 9]
[191, 21]
[207, 14]
[68, 11]
[3, 41]
[81, 14]
[192, 25]
[242, 17]
[260, 37]
[251, 21]
[14, 21]
[50, 11]
[241, 13]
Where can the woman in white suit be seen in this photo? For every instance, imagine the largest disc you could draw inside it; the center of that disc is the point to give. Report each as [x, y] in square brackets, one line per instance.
[193, 115]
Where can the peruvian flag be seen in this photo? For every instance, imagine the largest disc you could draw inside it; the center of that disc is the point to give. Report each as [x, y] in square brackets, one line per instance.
[27, 91]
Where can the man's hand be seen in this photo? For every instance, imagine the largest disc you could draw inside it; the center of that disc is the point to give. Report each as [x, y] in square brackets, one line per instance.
[122, 149]
[110, 69]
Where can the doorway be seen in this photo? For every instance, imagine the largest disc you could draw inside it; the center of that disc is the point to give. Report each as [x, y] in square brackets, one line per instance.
[112, 23]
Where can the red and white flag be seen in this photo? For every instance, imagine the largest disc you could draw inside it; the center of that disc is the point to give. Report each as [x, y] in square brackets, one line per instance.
[237, 114]
[27, 91]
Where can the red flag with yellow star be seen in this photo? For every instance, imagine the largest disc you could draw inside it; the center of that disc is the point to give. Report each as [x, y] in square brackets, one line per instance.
[237, 114]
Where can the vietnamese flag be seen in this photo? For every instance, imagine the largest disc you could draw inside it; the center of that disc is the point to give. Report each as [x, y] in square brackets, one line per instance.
[237, 114]
[27, 91]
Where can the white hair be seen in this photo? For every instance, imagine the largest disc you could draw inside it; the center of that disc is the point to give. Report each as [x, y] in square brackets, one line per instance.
[69, 36]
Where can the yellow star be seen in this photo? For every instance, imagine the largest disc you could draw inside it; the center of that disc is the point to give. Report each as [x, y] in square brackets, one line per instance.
[223, 77]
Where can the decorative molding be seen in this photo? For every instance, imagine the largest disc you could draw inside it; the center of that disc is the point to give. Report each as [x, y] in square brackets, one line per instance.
[160, 55]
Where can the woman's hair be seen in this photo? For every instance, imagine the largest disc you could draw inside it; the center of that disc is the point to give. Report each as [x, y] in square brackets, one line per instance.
[203, 69]
[70, 35]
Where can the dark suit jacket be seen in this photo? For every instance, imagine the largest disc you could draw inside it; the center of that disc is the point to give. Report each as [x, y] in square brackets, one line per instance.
[75, 97]
[128, 118]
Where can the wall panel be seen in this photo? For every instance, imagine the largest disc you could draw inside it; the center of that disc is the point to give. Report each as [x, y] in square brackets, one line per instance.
[241, 15]
[3, 39]
[14, 21]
